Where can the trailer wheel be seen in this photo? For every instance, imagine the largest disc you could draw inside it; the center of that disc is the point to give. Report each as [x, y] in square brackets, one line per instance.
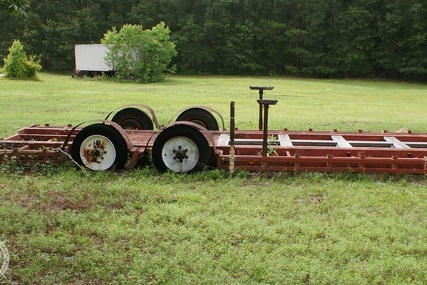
[181, 149]
[133, 119]
[201, 117]
[99, 147]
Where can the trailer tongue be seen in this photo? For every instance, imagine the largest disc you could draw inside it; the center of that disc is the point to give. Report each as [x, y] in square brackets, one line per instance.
[188, 146]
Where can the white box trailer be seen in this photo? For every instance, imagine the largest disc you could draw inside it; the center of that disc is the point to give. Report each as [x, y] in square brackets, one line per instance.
[90, 60]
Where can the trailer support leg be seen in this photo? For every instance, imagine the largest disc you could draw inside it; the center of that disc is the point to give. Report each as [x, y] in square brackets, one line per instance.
[260, 92]
[265, 104]
[232, 130]
[260, 110]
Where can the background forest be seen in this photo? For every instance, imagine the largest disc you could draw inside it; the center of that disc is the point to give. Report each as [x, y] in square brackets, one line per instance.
[313, 38]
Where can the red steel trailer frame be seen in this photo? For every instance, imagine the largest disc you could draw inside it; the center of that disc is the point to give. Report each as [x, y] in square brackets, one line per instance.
[193, 142]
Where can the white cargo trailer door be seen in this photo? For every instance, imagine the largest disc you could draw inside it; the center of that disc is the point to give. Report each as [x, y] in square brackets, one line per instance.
[91, 57]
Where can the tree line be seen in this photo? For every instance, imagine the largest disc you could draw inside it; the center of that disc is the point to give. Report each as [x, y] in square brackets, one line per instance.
[313, 38]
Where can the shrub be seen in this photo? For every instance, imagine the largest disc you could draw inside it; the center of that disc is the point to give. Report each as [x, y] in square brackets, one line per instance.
[17, 65]
[140, 55]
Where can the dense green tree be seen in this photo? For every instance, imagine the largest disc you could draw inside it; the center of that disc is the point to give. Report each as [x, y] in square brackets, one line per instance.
[195, 51]
[18, 65]
[17, 7]
[404, 39]
[324, 38]
[356, 42]
[140, 55]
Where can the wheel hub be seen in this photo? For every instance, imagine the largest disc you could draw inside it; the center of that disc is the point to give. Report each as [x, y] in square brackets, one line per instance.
[180, 153]
[97, 152]
[131, 124]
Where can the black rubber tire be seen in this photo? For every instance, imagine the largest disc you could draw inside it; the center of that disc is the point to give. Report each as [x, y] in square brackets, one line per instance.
[201, 117]
[186, 132]
[104, 131]
[133, 119]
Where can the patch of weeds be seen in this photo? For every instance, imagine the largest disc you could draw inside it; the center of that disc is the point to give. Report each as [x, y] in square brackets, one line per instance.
[215, 175]
[142, 173]
[11, 165]
[242, 174]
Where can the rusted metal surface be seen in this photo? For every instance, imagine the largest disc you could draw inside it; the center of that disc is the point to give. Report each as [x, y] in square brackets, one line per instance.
[203, 108]
[94, 152]
[326, 152]
[142, 107]
[37, 143]
[286, 150]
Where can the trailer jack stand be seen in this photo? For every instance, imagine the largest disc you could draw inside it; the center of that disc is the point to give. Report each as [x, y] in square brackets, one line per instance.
[260, 92]
[265, 104]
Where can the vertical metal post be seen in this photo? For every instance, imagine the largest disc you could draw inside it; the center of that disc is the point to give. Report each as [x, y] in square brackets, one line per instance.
[261, 91]
[232, 134]
[265, 104]
[265, 131]
[232, 123]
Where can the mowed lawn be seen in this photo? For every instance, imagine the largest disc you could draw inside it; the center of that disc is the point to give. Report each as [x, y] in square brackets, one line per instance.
[347, 105]
[64, 226]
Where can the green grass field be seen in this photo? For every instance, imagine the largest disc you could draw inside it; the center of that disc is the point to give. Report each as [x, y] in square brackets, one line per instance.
[303, 103]
[64, 226]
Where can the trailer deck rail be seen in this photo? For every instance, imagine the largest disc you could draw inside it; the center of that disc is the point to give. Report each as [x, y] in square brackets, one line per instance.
[326, 152]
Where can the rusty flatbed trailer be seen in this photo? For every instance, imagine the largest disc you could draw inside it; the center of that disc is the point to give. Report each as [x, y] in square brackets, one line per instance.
[36, 144]
[327, 152]
[194, 141]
